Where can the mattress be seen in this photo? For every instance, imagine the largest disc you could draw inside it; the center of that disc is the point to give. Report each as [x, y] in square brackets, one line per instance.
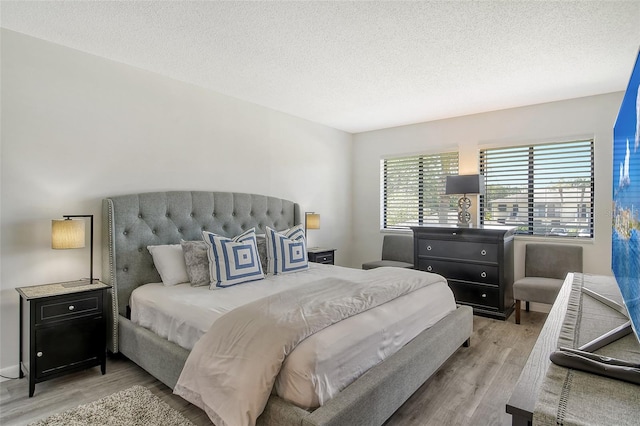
[323, 364]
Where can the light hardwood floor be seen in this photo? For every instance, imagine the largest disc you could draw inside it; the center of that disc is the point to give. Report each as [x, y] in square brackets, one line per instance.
[471, 388]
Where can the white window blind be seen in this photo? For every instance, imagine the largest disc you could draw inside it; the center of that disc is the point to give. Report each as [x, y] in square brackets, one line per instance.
[548, 188]
[412, 190]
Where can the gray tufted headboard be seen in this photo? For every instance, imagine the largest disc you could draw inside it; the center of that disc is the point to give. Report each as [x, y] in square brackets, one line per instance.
[132, 222]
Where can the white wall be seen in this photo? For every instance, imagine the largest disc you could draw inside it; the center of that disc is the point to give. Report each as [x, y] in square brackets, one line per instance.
[590, 117]
[77, 128]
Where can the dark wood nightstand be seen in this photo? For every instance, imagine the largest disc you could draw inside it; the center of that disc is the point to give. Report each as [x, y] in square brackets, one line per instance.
[321, 255]
[62, 329]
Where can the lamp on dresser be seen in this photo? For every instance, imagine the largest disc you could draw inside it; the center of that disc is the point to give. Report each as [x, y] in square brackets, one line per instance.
[70, 234]
[464, 184]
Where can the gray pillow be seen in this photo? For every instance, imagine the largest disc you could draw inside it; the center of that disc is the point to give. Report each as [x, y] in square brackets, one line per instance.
[261, 239]
[197, 261]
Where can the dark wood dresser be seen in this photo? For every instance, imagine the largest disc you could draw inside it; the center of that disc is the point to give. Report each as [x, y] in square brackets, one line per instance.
[477, 263]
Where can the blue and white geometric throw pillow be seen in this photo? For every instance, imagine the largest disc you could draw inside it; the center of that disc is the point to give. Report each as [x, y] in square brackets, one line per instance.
[286, 250]
[233, 260]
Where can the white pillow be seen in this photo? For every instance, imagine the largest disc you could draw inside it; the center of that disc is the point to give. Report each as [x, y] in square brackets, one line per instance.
[233, 260]
[286, 250]
[169, 261]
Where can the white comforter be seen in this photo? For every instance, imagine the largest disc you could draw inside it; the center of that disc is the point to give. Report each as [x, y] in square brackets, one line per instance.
[232, 368]
[322, 365]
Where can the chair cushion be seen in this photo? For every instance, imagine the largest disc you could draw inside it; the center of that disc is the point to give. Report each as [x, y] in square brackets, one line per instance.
[537, 289]
[381, 263]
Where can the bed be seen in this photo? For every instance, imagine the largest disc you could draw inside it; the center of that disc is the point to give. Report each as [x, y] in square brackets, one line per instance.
[133, 222]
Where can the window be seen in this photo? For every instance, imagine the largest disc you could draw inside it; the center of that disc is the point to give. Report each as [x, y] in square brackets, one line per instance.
[549, 186]
[412, 190]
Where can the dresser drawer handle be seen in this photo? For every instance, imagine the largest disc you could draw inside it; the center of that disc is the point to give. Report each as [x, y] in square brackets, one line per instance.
[39, 354]
[428, 248]
[483, 252]
[483, 274]
[484, 295]
[429, 268]
[71, 307]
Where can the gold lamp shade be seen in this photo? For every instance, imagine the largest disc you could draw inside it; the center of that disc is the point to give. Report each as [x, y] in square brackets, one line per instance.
[67, 234]
[312, 221]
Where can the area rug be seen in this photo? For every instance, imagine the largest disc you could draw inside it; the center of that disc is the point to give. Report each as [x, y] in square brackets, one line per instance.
[131, 407]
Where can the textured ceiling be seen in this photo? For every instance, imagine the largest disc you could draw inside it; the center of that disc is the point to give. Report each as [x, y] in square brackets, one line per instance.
[358, 66]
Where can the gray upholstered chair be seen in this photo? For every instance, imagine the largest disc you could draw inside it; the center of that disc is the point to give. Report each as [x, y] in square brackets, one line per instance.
[545, 268]
[397, 250]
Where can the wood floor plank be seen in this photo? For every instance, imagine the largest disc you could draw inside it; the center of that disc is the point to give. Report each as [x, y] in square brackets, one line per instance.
[471, 388]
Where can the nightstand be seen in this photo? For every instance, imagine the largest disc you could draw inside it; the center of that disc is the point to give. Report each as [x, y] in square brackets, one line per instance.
[62, 329]
[321, 255]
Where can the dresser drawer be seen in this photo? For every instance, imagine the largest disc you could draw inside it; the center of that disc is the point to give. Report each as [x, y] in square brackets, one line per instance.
[474, 294]
[461, 271]
[66, 308]
[483, 252]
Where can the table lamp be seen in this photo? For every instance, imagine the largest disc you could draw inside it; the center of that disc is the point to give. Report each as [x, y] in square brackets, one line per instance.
[70, 234]
[464, 184]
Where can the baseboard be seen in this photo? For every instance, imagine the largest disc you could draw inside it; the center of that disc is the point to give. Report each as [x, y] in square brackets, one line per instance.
[10, 372]
[538, 307]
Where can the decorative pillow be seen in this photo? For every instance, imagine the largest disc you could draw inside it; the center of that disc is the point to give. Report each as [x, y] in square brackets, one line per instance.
[233, 260]
[197, 262]
[286, 250]
[262, 250]
[169, 262]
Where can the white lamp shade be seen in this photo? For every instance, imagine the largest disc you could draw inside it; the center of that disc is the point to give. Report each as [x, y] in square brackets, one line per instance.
[312, 221]
[67, 234]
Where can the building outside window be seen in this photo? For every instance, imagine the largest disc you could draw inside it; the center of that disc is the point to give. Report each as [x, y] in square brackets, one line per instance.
[549, 187]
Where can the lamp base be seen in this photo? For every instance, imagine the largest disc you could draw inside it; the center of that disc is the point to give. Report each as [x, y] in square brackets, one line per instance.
[464, 216]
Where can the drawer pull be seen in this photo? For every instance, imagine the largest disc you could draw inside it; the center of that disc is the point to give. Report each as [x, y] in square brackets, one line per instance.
[483, 274]
[428, 248]
[483, 252]
[39, 354]
[71, 307]
[429, 268]
[484, 295]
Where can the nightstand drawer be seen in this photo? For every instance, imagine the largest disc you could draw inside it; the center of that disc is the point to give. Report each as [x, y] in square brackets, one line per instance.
[483, 252]
[324, 258]
[461, 271]
[474, 294]
[66, 308]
